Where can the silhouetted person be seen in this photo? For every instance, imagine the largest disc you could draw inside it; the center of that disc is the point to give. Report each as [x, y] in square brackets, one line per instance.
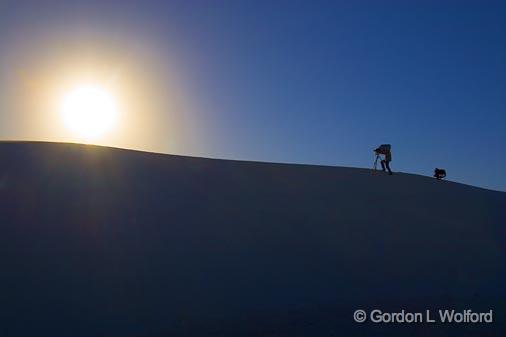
[439, 173]
[384, 150]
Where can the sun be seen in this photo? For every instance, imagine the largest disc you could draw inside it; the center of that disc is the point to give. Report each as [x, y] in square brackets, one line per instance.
[89, 111]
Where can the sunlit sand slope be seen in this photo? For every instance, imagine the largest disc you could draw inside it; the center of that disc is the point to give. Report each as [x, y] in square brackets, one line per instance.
[98, 241]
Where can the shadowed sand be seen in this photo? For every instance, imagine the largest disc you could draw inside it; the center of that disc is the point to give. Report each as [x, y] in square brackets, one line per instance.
[97, 241]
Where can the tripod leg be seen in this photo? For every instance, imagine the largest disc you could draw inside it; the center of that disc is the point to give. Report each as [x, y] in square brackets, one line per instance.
[375, 166]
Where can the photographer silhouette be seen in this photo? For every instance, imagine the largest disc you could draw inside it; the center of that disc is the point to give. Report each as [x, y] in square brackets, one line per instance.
[385, 150]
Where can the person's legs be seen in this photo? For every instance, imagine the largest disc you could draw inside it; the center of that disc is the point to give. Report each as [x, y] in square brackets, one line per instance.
[383, 165]
[388, 167]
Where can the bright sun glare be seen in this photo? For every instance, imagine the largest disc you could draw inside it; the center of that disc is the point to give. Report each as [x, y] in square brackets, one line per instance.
[89, 112]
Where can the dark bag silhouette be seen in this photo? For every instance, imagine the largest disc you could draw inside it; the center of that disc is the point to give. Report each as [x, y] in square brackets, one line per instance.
[439, 173]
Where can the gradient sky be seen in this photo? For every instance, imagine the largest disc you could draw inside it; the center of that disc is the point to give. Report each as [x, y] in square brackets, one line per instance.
[319, 82]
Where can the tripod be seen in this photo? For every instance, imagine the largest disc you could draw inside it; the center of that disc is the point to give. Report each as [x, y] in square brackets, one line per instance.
[375, 167]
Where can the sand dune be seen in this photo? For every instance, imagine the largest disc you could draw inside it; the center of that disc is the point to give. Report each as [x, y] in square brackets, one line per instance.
[98, 241]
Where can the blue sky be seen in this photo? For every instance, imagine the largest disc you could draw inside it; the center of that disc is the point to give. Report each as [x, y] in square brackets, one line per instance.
[320, 82]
